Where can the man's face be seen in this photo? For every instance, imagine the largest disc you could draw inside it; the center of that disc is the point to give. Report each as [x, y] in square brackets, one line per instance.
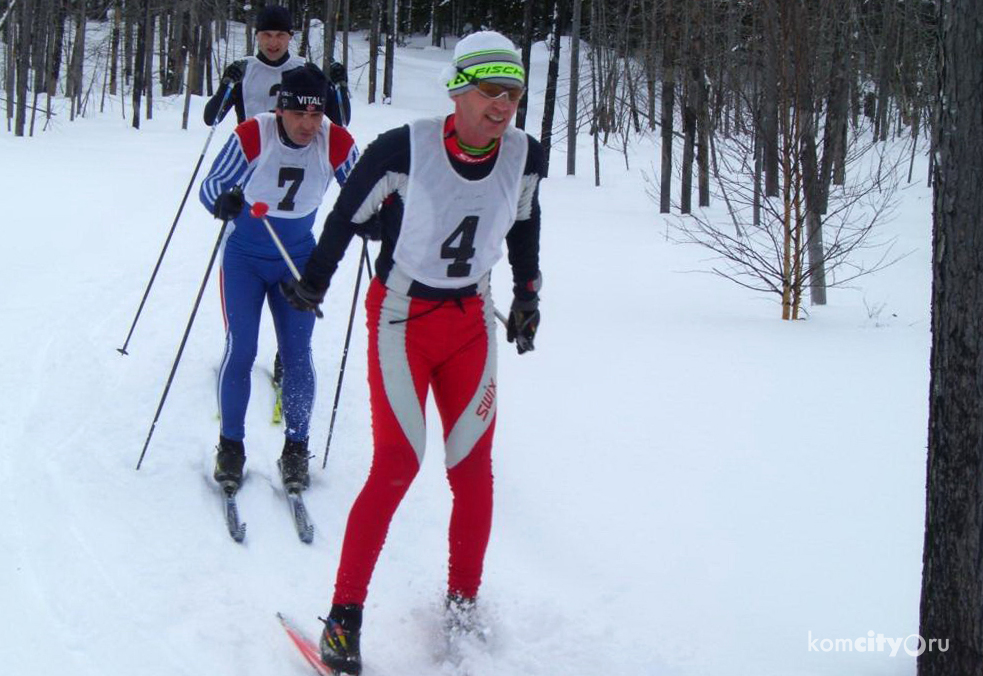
[479, 119]
[301, 126]
[273, 44]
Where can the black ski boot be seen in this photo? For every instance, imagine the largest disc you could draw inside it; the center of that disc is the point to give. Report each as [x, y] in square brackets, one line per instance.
[340, 639]
[230, 457]
[293, 465]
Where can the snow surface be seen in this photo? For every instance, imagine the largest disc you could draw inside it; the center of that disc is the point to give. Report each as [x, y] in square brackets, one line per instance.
[685, 484]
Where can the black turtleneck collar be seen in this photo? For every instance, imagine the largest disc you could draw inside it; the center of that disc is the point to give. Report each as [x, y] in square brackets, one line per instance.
[283, 134]
[279, 62]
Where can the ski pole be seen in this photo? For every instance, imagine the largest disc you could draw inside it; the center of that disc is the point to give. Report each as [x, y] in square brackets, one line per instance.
[184, 340]
[368, 260]
[167, 241]
[344, 354]
[259, 211]
[341, 104]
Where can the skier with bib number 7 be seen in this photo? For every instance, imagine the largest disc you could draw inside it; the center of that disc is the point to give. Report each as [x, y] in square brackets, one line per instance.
[285, 159]
[451, 190]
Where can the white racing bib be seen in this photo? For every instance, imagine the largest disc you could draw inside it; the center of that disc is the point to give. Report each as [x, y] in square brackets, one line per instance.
[261, 84]
[292, 181]
[453, 228]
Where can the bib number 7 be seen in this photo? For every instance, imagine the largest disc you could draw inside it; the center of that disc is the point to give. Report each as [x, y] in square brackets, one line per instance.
[459, 247]
[294, 176]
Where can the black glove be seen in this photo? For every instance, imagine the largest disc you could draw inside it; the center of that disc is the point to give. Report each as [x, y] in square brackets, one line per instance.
[522, 324]
[370, 229]
[302, 295]
[338, 73]
[229, 204]
[234, 72]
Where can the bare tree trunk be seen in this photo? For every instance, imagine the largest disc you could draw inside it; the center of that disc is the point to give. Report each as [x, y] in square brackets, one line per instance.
[78, 57]
[169, 61]
[305, 34]
[39, 55]
[114, 40]
[758, 170]
[572, 112]
[139, 69]
[837, 110]
[330, 31]
[148, 77]
[192, 80]
[594, 68]
[952, 562]
[689, 141]
[668, 106]
[701, 102]
[26, 18]
[886, 67]
[802, 43]
[436, 34]
[374, 47]
[769, 108]
[648, 37]
[392, 20]
[520, 115]
[204, 58]
[344, 36]
[758, 152]
[250, 31]
[813, 200]
[553, 71]
[129, 20]
[8, 71]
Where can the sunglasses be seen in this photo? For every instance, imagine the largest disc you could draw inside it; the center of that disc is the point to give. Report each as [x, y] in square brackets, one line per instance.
[493, 90]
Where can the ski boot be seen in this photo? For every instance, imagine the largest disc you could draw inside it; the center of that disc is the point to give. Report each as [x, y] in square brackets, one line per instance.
[230, 457]
[340, 639]
[293, 465]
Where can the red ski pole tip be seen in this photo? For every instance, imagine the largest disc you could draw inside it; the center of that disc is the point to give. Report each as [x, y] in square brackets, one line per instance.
[259, 209]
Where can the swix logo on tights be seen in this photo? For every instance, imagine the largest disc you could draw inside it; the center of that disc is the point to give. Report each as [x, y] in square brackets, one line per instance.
[487, 401]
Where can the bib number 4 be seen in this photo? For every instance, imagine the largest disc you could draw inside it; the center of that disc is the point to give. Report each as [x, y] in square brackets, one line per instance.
[459, 247]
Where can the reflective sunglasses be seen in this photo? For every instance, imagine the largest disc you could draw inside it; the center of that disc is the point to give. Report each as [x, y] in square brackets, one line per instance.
[493, 90]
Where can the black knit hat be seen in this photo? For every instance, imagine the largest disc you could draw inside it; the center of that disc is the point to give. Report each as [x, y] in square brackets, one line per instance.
[274, 18]
[303, 88]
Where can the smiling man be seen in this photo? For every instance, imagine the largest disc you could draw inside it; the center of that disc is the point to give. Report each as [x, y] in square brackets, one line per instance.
[451, 190]
[255, 80]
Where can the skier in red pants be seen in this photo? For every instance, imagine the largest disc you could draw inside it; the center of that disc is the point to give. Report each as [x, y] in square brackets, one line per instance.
[451, 190]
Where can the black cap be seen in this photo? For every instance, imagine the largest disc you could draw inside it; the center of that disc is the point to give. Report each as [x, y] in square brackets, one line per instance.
[274, 18]
[303, 88]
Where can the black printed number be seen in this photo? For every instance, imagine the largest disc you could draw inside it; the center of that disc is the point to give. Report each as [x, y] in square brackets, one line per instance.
[459, 247]
[295, 176]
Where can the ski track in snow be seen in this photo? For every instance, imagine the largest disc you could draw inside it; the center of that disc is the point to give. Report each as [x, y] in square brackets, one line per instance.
[685, 485]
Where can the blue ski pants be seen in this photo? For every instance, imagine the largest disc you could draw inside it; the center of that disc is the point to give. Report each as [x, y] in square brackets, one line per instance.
[246, 281]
